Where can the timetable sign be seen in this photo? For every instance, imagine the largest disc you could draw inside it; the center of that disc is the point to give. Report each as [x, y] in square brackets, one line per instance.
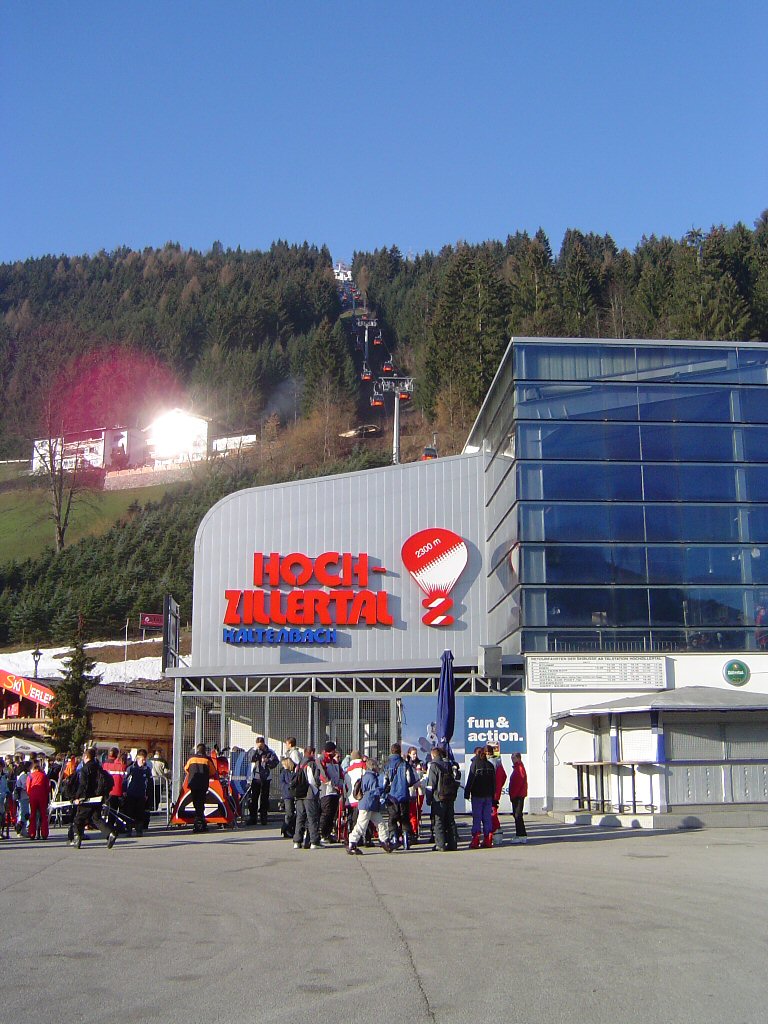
[596, 672]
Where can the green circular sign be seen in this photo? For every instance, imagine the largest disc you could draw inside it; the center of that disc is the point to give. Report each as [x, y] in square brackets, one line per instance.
[736, 672]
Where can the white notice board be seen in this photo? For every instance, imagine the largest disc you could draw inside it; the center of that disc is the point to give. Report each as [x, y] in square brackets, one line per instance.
[596, 672]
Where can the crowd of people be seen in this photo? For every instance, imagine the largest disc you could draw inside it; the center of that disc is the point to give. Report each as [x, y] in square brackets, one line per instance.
[355, 800]
[326, 799]
[110, 794]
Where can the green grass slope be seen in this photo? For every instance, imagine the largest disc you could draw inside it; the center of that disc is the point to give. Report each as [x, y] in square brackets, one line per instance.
[26, 529]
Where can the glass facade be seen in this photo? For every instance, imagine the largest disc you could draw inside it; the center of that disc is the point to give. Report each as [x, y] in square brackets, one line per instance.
[627, 497]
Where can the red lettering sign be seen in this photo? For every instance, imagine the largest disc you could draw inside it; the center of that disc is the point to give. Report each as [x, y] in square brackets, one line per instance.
[28, 688]
[150, 620]
[340, 605]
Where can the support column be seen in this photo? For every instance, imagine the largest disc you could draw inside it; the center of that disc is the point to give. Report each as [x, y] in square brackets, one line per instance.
[178, 739]
[659, 796]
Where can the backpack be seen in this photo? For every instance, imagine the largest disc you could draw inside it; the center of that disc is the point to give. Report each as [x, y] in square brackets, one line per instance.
[68, 788]
[447, 787]
[104, 783]
[299, 784]
[357, 789]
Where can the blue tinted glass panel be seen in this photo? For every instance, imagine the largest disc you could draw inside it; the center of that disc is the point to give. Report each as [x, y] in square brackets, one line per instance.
[628, 564]
[663, 522]
[585, 606]
[758, 563]
[757, 525]
[630, 607]
[585, 522]
[584, 564]
[576, 402]
[657, 443]
[559, 362]
[754, 405]
[684, 403]
[713, 606]
[583, 441]
[754, 357]
[755, 444]
[665, 363]
[712, 565]
[753, 365]
[623, 483]
[570, 480]
[565, 522]
[665, 565]
[626, 523]
[707, 483]
[714, 523]
[757, 482]
[703, 444]
[567, 565]
[667, 607]
[690, 483]
[684, 443]
[662, 483]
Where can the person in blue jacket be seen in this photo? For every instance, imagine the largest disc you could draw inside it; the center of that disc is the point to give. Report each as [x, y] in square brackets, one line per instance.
[262, 763]
[289, 801]
[370, 807]
[137, 787]
[400, 777]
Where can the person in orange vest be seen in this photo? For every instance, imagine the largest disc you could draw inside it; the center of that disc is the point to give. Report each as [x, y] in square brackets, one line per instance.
[39, 792]
[200, 770]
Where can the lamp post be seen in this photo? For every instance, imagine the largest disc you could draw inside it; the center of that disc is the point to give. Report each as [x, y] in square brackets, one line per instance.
[36, 656]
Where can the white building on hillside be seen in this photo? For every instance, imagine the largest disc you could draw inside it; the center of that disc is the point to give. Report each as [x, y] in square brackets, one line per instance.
[233, 444]
[100, 448]
[176, 438]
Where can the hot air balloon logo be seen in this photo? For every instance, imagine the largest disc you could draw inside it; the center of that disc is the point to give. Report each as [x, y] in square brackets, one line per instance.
[435, 558]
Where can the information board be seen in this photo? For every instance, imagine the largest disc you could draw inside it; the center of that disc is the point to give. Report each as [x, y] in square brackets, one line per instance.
[596, 672]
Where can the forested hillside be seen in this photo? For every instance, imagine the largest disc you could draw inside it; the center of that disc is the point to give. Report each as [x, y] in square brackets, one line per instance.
[116, 332]
[148, 554]
[451, 314]
[258, 338]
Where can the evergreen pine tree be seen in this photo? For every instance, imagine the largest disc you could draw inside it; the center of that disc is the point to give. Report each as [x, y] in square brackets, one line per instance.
[69, 726]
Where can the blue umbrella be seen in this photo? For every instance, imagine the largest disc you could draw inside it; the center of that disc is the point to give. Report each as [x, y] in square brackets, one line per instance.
[446, 705]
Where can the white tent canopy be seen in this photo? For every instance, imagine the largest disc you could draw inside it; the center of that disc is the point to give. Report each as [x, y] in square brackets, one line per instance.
[17, 745]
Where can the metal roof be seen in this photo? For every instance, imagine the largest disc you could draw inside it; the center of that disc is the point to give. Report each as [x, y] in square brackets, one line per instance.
[131, 701]
[686, 698]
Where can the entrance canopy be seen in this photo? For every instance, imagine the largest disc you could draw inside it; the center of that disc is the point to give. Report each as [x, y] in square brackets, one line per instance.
[687, 698]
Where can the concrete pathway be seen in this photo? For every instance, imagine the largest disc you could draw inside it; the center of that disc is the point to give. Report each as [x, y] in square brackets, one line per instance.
[579, 925]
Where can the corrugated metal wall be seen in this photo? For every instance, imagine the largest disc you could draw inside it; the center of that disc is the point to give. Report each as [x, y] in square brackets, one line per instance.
[727, 743]
[375, 512]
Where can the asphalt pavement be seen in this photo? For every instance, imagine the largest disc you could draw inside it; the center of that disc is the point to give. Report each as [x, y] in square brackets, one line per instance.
[581, 924]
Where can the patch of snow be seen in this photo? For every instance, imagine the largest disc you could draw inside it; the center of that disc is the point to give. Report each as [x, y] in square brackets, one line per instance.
[21, 663]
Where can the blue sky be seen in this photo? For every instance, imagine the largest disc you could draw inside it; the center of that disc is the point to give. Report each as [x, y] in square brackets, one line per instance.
[366, 124]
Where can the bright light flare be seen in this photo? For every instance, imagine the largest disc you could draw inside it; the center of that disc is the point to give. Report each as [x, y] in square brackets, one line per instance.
[175, 434]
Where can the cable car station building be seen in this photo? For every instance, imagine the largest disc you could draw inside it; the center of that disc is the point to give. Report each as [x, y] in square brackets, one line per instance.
[596, 560]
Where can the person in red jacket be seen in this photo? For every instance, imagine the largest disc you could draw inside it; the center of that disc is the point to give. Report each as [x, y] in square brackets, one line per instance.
[501, 777]
[115, 765]
[39, 792]
[518, 791]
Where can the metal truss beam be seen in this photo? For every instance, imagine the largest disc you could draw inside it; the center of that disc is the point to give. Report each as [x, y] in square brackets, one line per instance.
[356, 684]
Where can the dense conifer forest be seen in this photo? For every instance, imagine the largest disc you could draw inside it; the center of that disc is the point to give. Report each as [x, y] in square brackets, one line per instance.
[228, 331]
